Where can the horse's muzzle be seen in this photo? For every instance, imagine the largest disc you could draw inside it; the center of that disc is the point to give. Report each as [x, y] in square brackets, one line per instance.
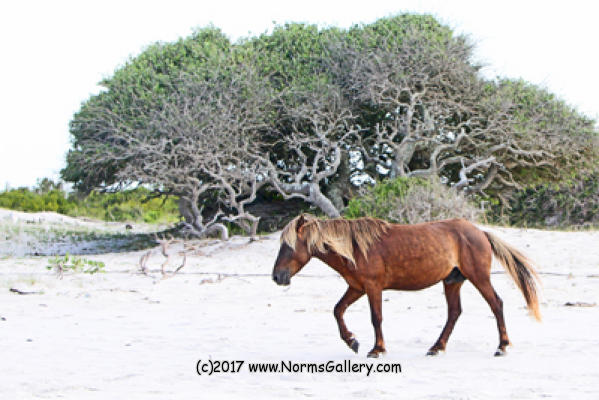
[281, 277]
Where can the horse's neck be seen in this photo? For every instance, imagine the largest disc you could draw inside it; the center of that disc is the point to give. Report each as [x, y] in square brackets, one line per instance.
[335, 261]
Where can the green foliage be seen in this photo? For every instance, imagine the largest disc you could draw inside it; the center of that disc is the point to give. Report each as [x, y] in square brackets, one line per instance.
[411, 200]
[134, 205]
[392, 30]
[539, 115]
[151, 74]
[68, 263]
[291, 55]
[142, 84]
[297, 57]
[131, 205]
[379, 200]
[45, 185]
[573, 204]
[23, 199]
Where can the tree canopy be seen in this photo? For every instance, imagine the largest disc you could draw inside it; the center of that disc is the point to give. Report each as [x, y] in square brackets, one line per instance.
[313, 113]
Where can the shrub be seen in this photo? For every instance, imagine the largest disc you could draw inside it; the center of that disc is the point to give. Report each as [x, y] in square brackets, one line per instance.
[68, 263]
[571, 205]
[23, 199]
[410, 201]
[130, 205]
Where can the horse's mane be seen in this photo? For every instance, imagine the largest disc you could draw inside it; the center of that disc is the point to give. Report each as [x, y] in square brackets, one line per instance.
[338, 234]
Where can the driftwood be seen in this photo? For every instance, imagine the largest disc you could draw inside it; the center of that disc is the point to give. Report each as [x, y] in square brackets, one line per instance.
[165, 247]
[22, 292]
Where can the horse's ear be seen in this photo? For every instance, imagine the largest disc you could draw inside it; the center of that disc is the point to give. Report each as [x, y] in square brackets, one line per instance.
[300, 232]
[300, 222]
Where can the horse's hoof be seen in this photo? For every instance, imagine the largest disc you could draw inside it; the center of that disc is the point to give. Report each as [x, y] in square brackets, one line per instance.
[500, 353]
[375, 354]
[432, 352]
[354, 345]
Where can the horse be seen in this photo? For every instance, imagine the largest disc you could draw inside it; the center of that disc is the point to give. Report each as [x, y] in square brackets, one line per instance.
[373, 255]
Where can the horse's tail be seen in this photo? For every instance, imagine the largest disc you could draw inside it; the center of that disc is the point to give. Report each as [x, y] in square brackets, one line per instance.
[520, 269]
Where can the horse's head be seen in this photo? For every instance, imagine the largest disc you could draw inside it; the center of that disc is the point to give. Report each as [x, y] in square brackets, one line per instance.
[294, 253]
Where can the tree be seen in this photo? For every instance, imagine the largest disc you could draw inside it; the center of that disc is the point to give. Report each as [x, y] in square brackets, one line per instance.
[321, 124]
[133, 92]
[194, 146]
[418, 93]
[426, 111]
[313, 113]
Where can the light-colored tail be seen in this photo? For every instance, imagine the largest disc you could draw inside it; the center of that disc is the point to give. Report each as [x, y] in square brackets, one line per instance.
[520, 269]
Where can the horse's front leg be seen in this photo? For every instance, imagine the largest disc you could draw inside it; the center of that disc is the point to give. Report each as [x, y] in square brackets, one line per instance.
[374, 298]
[350, 297]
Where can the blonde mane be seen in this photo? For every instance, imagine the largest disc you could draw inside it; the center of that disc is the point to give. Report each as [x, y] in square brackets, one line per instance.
[338, 234]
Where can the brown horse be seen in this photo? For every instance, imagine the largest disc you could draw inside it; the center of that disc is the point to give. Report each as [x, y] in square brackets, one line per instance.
[373, 255]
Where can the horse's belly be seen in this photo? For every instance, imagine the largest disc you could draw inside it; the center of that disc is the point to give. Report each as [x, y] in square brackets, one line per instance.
[417, 257]
[417, 274]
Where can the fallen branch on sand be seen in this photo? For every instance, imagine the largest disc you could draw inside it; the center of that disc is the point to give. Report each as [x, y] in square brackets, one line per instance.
[579, 304]
[165, 245]
[22, 292]
[190, 248]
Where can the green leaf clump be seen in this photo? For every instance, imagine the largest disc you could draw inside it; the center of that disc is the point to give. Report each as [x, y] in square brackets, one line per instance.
[68, 263]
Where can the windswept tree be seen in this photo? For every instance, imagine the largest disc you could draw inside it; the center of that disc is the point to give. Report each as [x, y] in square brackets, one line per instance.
[133, 93]
[312, 113]
[319, 125]
[542, 138]
[193, 147]
[426, 111]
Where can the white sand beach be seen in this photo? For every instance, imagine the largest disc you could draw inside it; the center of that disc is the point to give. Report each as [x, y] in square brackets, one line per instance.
[122, 334]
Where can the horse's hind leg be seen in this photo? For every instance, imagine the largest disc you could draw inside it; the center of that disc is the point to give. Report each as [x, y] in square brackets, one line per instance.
[376, 313]
[350, 297]
[454, 309]
[486, 290]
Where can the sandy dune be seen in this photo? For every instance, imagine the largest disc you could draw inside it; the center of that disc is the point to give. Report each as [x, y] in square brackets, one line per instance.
[48, 233]
[125, 335]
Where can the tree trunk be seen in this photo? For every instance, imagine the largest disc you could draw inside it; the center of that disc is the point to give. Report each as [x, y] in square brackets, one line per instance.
[338, 190]
[401, 158]
[254, 229]
[185, 210]
[321, 201]
[309, 192]
[194, 220]
[249, 223]
[217, 228]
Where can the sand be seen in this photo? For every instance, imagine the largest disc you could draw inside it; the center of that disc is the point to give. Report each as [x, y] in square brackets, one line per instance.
[48, 233]
[122, 334]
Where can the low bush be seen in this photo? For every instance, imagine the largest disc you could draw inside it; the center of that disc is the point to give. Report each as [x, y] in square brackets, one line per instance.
[68, 263]
[129, 205]
[570, 205]
[23, 199]
[133, 205]
[411, 200]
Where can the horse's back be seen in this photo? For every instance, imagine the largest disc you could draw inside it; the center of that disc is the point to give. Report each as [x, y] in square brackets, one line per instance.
[471, 242]
[420, 255]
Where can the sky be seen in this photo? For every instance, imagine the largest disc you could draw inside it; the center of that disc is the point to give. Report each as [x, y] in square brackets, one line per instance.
[55, 53]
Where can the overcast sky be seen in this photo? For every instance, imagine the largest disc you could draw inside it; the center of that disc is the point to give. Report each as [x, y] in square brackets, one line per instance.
[55, 52]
